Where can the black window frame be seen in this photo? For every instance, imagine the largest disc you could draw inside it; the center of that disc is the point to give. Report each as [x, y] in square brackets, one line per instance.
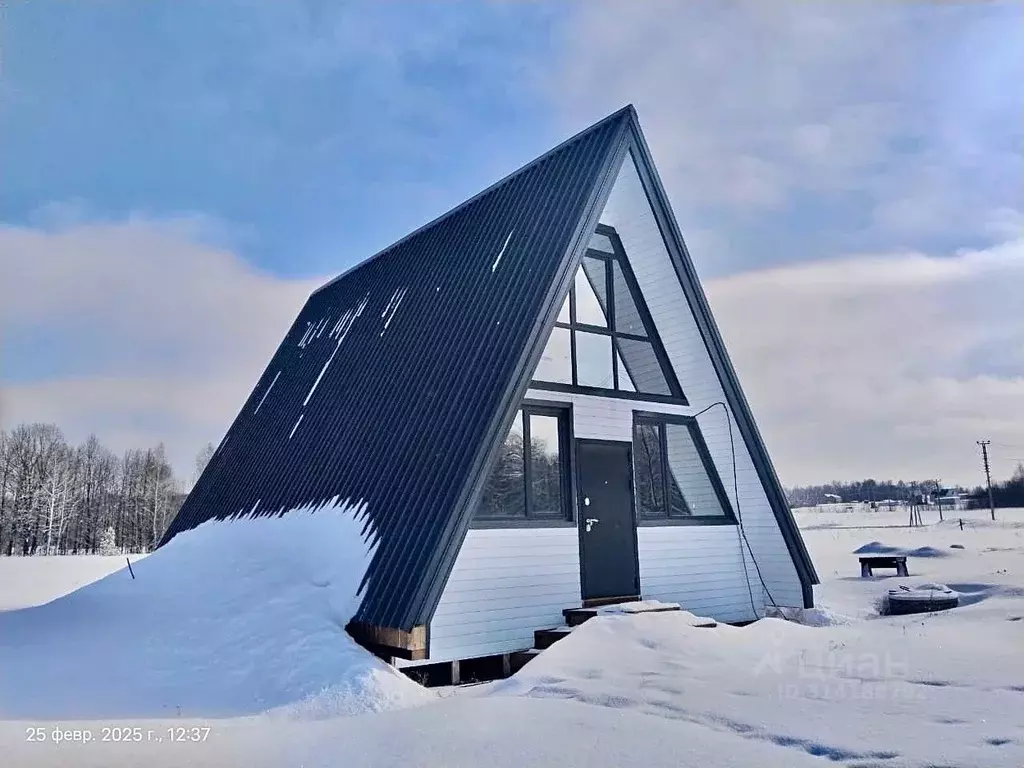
[676, 395]
[566, 460]
[661, 421]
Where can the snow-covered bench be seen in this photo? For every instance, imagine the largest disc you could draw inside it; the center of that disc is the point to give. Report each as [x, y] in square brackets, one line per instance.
[869, 562]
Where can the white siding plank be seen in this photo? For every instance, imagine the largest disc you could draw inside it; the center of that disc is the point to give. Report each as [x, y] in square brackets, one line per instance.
[506, 583]
[698, 567]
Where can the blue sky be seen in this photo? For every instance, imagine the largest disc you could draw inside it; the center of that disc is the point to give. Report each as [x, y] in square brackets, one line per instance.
[178, 175]
[314, 136]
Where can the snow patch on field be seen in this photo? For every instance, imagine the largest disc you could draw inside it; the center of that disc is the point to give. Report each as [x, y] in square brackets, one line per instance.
[28, 581]
[878, 548]
[231, 618]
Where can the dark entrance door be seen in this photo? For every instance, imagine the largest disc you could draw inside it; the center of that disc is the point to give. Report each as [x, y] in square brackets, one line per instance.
[606, 519]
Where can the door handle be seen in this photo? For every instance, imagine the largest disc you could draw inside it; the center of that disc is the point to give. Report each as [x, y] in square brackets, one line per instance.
[590, 522]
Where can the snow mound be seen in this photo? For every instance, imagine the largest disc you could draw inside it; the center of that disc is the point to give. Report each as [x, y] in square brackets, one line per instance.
[376, 688]
[638, 607]
[808, 617]
[878, 548]
[234, 617]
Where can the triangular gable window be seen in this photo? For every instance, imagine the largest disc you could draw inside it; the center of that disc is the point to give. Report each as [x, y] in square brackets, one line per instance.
[604, 338]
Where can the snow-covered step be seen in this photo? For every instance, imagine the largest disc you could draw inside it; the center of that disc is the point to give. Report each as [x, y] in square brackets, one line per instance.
[576, 616]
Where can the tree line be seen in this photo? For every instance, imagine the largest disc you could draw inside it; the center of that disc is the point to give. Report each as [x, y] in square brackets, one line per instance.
[860, 490]
[59, 498]
[1004, 494]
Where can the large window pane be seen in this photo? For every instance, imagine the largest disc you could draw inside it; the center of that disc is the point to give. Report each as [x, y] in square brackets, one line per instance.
[505, 492]
[698, 496]
[556, 360]
[590, 277]
[563, 313]
[593, 360]
[677, 506]
[643, 366]
[625, 382]
[545, 467]
[596, 271]
[601, 242]
[647, 462]
[627, 318]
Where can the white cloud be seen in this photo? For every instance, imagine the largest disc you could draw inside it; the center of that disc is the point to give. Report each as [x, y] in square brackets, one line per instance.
[898, 111]
[881, 366]
[869, 365]
[148, 334]
[791, 132]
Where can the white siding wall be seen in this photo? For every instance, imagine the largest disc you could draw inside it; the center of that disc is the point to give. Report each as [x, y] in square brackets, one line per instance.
[696, 566]
[630, 213]
[699, 567]
[505, 584]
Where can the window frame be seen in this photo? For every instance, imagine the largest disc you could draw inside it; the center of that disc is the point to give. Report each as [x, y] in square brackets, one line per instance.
[676, 395]
[566, 459]
[661, 421]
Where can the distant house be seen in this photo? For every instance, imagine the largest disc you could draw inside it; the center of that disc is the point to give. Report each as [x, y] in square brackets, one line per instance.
[833, 498]
[949, 498]
[532, 402]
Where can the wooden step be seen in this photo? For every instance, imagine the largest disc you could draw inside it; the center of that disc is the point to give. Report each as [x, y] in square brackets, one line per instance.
[519, 659]
[545, 638]
[597, 602]
[576, 616]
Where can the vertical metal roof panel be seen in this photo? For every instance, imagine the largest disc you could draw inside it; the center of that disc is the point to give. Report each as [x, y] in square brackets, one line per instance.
[406, 404]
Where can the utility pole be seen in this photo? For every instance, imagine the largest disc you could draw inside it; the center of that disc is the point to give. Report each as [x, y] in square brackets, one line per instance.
[988, 475]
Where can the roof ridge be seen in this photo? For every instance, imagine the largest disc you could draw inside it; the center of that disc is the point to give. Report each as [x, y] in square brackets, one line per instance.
[618, 114]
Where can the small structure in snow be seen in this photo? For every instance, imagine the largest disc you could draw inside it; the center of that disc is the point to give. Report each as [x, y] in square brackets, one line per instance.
[924, 598]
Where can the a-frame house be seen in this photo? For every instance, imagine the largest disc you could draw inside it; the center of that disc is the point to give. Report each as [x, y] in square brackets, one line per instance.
[531, 405]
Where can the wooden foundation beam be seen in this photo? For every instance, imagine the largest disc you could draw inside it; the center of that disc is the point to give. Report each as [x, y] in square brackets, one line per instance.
[388, 642]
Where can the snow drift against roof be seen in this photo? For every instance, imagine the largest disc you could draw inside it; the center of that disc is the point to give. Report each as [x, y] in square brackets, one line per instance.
[230, 618]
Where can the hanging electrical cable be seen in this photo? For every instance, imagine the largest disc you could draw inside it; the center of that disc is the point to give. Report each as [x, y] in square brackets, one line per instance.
[739, 515]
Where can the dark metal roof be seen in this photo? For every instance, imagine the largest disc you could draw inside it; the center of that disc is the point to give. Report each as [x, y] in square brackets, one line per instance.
[433, 330]
[398, 379]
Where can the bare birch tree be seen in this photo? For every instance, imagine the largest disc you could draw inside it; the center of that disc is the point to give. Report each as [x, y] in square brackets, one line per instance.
[61, 499]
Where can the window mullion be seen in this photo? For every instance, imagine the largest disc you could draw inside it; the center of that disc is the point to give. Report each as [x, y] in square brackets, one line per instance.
[572, 331]
[565, 465]
[663, 440]
[609, 289]
[526, 463]
[615, 365]
[572, 301]
[572, 356]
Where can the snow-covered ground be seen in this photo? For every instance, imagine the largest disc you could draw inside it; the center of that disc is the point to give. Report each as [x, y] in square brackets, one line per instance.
[28, 581]
[230, 619]
[651, 689]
